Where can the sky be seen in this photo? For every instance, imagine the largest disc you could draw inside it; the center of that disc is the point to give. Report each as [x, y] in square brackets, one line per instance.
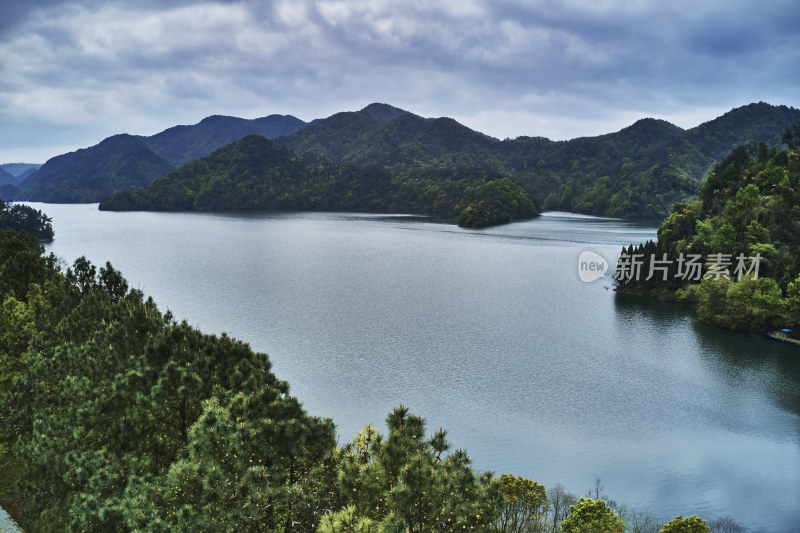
[75, 72]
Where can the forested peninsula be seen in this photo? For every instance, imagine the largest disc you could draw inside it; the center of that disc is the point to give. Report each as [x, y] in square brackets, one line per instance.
[255, 173]
[733, 254]
[114, 416]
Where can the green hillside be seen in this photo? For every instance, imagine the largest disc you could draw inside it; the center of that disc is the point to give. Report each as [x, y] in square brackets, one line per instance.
[181, 144]
[257, 174]
[125, 162]
[91, 174]
[401, 142]
[640, 171]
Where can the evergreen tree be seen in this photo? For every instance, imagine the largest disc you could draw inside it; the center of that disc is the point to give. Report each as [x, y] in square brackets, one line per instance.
[691, 524]
[407, 482]
[592, 515]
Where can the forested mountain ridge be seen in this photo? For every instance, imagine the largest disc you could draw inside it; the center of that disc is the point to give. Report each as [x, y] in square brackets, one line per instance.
[630, 173]
[640, 171]
[123, 162]
[181, 144]
[256, 173]
[644, 169]
[90, 174]
[746, 125]
[403, 141]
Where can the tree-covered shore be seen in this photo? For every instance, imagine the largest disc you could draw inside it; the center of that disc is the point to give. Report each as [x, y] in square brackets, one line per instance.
[733, 255]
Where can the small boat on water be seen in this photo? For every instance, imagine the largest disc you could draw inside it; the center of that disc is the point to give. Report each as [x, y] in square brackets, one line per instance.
[784, 335]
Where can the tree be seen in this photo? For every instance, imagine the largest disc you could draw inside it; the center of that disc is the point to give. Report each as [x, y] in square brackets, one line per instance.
[559, 503]
[642, 522]
[523, 505]
[725, 524]
[25, 218]
[592, 515]
[791, 304]
[691, 524]
[407, 482]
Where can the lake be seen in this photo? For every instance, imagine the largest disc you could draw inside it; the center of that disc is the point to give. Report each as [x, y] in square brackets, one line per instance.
[490, 334]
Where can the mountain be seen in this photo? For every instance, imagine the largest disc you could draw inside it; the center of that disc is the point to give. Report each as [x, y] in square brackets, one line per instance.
[396, 139]
[647, 168]
[181, 144]
[91, 174]
[630, 173]
[8, 192]
[744, 125]
[22, 177]
[382, 111]
[256, 173]
[640, 171]
[126, 162]
[18, 172]
[6, 178]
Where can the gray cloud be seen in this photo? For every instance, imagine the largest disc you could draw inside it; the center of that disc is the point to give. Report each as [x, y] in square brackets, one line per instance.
[555, 68]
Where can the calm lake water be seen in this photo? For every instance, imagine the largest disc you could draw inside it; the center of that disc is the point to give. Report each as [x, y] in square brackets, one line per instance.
[490, 334]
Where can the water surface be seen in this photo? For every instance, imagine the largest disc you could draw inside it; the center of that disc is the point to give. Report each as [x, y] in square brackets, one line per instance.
[490, 334]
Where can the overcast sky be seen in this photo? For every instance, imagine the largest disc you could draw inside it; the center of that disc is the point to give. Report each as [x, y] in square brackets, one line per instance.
[73, 73]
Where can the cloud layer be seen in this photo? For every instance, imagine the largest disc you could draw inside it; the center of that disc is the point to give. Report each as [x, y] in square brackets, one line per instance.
[72, 73]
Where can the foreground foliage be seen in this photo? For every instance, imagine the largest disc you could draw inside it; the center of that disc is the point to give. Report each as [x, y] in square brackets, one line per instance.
[691, 524]
[592, 515]
[25, 218]
[405, 482]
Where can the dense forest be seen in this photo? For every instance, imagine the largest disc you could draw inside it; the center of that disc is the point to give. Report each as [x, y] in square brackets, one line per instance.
[116, 417]
[734, 253]
[257, 174]
[20, 217]
[641, 171]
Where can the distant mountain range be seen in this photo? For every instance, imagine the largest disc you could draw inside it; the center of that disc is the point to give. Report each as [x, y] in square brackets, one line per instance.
[13, 173]
[124, 162]
[639, 171]
[6, 177]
